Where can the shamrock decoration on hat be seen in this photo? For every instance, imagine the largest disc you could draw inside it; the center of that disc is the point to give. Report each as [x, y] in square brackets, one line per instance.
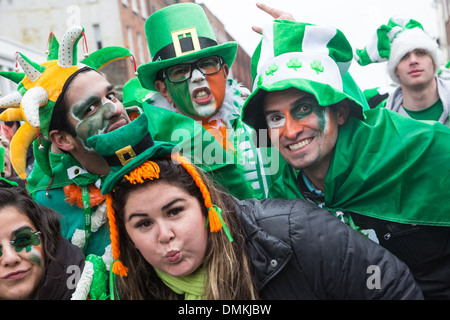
[395, 39]
[299, 55]
[180, 33]
[39, 88]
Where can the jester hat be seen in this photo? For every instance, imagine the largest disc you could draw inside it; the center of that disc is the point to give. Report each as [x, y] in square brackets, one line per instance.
[393, 40]
[129, 151]
[38, 90]
[177, 34]
[304, 56]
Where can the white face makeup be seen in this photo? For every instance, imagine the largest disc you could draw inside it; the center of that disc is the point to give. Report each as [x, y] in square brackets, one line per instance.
[94, 108]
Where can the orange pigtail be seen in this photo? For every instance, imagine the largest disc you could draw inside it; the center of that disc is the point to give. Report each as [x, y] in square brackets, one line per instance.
[118, 267]
[215, 223]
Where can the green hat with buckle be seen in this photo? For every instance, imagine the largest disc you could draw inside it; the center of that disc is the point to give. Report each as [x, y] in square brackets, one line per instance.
[126, 148]
[180, 33]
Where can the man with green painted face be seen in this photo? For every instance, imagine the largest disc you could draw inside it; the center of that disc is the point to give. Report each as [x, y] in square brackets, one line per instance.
[374, 169]
[189, 76]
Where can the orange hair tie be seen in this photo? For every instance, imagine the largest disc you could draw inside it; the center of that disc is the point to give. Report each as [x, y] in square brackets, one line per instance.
[118, 267]
[214, 221]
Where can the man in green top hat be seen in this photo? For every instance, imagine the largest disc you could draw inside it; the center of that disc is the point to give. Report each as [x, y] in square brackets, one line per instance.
[188, 75]
[378, 170]
[413, 62]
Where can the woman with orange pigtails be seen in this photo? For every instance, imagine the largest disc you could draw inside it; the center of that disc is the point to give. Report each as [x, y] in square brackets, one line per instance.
[175, 235]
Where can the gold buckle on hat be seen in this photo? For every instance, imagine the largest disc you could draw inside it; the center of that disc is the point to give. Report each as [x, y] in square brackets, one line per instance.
[184, 32]
[122, 152]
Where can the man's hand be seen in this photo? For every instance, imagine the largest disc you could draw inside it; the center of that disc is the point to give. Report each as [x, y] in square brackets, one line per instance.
[275, 13]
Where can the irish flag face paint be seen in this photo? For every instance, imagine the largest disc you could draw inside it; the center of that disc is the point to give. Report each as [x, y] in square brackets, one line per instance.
[201, 96]
[22, 259]
[304, 132]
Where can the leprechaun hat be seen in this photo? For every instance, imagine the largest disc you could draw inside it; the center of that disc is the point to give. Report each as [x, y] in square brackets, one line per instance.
[180, 33]
[126, 148]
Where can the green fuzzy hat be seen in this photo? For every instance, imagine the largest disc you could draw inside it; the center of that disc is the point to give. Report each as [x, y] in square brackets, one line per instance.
[180, 33]
[303, 56]
[126, 148]
[39, 89]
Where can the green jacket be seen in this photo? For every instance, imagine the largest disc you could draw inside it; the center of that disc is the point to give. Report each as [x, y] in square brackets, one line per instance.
[388, 167]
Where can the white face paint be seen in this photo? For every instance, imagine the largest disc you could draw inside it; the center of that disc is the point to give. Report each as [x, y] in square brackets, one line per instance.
[93, 117]
[93, 106]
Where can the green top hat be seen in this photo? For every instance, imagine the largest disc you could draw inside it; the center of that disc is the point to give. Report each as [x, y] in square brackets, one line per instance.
[180, 33]
[304, 56]
[126, 148]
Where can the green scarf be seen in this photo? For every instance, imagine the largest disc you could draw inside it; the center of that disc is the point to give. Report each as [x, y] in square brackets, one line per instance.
[192, 285]
[389, 167]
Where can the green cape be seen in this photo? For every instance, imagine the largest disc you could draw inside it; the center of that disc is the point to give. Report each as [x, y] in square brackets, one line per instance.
[388, 167]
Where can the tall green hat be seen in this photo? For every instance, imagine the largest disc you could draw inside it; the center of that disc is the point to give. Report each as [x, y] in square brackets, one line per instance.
[180, 33]
[303, 56]
[39, 89]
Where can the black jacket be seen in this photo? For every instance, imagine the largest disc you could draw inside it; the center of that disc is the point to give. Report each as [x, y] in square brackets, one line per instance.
[60, 274]
[300, 251]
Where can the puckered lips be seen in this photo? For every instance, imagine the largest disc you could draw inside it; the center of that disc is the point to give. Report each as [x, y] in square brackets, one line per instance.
[173, 256]
[202, 95]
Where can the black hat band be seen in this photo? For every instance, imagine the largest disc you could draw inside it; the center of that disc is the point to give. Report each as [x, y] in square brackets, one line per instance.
[123, 156]
[186, 46]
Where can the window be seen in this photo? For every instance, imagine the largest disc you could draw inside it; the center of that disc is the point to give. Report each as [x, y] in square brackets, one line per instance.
[97, 36]
[140, 48]
[125, 3]
[134, 6]
[143, 9]
[130, 40]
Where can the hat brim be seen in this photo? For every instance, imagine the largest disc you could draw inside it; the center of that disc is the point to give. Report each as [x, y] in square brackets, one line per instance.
[147, 72]
[325, 95]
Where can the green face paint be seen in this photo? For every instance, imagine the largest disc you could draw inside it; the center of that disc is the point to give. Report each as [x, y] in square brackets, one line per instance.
[302, 108]
[181, 97]
[306, 106]
[24, 238]
[92, 115]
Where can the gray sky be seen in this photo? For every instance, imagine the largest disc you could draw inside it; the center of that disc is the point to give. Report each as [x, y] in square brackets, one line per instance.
[357, 19]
